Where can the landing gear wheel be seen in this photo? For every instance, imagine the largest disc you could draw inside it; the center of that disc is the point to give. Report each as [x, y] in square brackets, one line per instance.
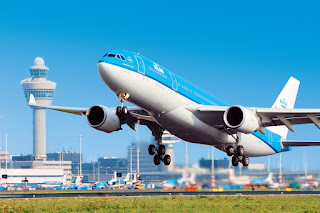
[235, 161]
[119, 111]
[161, 149]
[230, 150]
[245, 161]
[152, 149]
[156, 160]
[124, 110]
[240, 150]
[167, 160]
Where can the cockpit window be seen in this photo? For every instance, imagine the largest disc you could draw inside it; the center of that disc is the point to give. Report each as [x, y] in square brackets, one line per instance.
[111, 55]
[121, 57]
[118, 56]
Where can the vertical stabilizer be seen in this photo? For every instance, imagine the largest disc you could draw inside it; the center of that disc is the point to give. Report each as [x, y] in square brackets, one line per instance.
[286, 100]
[64, 180]
[269, 179]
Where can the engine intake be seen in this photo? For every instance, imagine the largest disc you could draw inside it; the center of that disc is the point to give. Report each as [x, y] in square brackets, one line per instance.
[103, 118]
[241, 119]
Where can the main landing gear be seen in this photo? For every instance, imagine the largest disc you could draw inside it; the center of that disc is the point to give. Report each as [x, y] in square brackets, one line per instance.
[237, 155]
[159, 152]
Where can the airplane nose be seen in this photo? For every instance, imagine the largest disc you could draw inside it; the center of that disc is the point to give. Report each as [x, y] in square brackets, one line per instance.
[101, 68]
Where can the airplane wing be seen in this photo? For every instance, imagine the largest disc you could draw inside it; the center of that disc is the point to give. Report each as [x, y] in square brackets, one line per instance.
[72, 110]
[135, 112]
[213, 115]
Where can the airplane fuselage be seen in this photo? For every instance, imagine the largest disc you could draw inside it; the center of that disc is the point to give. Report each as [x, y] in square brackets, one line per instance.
[165, 96]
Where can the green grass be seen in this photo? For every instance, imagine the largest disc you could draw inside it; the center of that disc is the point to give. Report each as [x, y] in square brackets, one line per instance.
[303, 203]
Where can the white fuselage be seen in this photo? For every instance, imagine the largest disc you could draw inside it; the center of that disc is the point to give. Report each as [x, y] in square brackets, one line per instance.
[167, 107]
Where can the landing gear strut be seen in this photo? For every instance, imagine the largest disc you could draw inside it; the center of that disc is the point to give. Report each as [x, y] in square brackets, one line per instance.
[160, 150]
[237, 156]
[122, 110]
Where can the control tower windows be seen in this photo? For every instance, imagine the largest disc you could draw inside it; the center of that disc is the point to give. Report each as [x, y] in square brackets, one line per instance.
[39, 73]
[39, 93]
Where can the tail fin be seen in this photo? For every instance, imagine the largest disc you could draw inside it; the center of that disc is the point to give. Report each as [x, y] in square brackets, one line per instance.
[270, 178]
[114, 175]
[127, 177]
[286, 100]
[64, 180]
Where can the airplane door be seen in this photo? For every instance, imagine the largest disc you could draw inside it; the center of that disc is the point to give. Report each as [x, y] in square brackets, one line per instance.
[174, 82]
[141, 67]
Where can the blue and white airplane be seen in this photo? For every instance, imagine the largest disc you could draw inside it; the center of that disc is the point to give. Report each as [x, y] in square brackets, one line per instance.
[165, 101]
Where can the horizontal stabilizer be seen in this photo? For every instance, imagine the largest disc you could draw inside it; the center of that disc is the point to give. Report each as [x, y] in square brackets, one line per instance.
[301, 143]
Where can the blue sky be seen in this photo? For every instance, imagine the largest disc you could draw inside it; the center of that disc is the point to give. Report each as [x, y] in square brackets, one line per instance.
[241, 52]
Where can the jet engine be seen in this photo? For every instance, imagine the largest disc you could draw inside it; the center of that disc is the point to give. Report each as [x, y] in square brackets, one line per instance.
[241, 119]
[103, 118]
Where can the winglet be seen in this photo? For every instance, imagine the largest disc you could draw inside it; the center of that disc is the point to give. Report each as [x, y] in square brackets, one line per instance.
[32, 100]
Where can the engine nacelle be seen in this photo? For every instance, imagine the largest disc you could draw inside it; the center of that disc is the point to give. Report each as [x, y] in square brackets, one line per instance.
[241, 119]
[103, 118]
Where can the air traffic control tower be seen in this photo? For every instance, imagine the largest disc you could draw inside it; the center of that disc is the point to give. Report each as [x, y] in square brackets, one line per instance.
[43, 91]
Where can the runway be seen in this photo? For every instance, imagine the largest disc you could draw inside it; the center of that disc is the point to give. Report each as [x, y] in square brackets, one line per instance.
[47, 194]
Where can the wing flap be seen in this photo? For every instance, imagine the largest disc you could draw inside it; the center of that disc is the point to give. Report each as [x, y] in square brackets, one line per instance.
[301, 143]
[288, 117]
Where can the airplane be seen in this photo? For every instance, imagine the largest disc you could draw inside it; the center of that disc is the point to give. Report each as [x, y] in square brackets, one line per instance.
[165, 101]
[54, 184]
[126, 182]
[261, 181]
[240, 180]
[269, 181]
[184, 181]
[306, 181]
[113, 181]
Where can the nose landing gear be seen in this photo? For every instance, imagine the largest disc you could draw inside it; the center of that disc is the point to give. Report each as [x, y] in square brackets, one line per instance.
[122, 111]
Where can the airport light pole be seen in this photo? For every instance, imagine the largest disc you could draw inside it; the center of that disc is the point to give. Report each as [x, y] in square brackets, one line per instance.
[138, 165]
[213, 180]
[131, 164]
[187, 157]
[93, 175]
[280, 173]
[6, 154]
[80, 158]
[98, 171]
